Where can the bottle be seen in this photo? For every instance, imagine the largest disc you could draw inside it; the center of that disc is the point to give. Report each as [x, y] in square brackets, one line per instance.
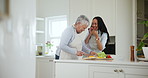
[132, 53]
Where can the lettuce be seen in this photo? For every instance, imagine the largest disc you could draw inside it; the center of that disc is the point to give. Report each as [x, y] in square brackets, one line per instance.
[101, 54]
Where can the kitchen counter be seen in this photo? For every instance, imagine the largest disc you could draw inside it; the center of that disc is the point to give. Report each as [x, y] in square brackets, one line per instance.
[45, 57]
[44, 66]
[100, 69]
[110, 62]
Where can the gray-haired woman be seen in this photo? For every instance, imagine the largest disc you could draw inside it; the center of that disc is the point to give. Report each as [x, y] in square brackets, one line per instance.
[71, 39]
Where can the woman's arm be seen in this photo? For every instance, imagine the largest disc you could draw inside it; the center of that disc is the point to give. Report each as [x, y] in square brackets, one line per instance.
[99, 44]
[88, 37]
[104, 40]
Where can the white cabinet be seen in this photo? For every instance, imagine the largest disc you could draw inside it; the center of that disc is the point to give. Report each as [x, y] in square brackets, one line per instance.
[134, 72]
[142, 15]
[106, 9]
[71, 70]
[99, 69]
[77, 8]
[118, 72]
[91, 8]
[102, 72]
[40, 30]
[40, 35]
[44, 67]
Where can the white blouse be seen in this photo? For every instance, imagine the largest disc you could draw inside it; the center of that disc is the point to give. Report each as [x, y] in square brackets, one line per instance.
[92, 44]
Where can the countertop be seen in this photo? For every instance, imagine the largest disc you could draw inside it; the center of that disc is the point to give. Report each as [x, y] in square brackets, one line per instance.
[110, 62]
[45, 57]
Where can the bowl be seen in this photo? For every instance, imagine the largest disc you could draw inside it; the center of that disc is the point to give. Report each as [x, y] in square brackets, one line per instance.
[79, 57]
[145, 52]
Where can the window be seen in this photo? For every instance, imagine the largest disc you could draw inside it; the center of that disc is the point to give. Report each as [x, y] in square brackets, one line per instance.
[55, 27]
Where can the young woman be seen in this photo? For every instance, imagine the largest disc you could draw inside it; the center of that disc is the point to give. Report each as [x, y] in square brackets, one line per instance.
[98, 36]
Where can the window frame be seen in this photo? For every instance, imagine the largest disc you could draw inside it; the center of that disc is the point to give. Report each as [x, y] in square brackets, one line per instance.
[48, 26]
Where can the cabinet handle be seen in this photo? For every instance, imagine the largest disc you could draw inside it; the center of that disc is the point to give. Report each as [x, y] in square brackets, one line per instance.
[50, 60]
[121, 70]
[116, 70]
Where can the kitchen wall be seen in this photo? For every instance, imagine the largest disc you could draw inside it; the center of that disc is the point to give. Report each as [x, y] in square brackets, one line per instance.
[17, 39]
[47, 8]
[124, 28]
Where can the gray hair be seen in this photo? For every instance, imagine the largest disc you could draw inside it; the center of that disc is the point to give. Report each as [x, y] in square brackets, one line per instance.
[83, 20]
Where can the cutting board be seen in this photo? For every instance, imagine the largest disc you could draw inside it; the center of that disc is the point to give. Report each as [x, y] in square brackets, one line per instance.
[95, 58]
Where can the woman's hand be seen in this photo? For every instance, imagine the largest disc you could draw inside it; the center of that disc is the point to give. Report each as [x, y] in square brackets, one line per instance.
[93, 53]
[85, 54]
[95, 33]
[90, 30]
[79, 53]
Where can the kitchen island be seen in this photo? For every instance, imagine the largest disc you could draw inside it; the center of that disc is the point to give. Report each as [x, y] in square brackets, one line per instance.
[44, 66]
[100, 69]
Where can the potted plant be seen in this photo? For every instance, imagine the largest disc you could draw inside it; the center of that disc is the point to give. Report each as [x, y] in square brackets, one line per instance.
[142, 43]
[48, 45]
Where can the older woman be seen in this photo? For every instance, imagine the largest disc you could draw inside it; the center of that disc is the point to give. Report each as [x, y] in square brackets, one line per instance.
[71, 41]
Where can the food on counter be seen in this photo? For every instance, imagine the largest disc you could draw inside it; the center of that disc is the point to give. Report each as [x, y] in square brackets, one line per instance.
[101, 55]
[108, 56]
[91, 56]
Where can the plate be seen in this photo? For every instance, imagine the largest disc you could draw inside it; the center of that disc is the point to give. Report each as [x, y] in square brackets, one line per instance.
[143, 59]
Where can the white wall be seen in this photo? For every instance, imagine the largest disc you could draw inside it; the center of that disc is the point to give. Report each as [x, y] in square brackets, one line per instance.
[77, 8]
[17, 55]
[124, 28]
[47, 8]
[106, 9]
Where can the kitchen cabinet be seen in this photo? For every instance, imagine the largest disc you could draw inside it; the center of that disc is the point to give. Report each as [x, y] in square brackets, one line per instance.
[71, 70]
[44, 67]
[133, 72]
[40, 34]
[142, 15]
[91, 8]
[118, 71]
[100, 69]
[106, 9]
[40, 30]
[103, 72]
[77, 8]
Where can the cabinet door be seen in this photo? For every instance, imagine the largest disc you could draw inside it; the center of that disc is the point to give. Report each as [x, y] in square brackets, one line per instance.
[71, 70]
[134, 72]
[106, 9]
[40, 35]
[44, 68]
[103, 72]
[77, 8]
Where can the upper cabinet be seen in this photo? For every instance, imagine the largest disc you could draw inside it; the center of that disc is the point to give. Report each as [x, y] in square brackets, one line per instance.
[142, 14]
[106, 9]
[40, 35]
[77, 8]
[91, 8]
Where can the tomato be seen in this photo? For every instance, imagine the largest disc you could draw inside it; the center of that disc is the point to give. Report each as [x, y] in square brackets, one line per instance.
[108, 56]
